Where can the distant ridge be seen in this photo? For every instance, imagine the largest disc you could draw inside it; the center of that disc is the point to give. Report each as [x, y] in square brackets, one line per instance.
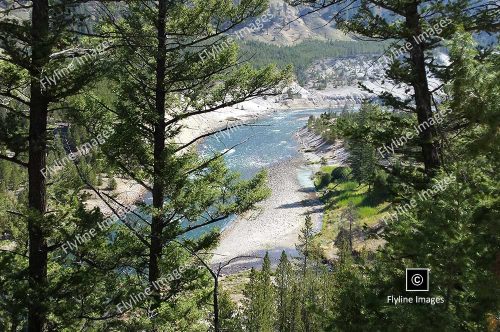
[284, 26]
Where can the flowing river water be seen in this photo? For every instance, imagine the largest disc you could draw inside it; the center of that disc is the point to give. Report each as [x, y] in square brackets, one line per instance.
[260, 144]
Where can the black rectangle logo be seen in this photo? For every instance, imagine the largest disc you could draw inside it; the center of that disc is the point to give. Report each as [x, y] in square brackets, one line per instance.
[417, 280]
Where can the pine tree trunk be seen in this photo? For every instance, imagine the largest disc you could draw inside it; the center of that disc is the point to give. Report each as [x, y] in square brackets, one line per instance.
[37, 162]
[422, 94]
[216, 305]
[159, 148]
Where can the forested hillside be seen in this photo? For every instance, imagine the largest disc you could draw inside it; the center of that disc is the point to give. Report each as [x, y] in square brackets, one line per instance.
[304, 54]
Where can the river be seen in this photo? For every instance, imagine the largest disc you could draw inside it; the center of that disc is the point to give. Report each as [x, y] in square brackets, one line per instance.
[261, 144]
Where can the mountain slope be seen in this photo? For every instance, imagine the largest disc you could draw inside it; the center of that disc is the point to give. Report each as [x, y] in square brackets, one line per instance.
[287, 25]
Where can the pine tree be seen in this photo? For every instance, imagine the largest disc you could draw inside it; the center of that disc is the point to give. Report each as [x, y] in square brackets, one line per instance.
[308, 287]
[348, 292]
[363, 161]
[33, 55]
[305, 246]
[284, 287]
[229, 316]
[449, 226]
[267, 303]
[36, 50]
[186, 68]
[451, 222]
[259, 304]
[407, 64]
[251, 302]
[296, 324]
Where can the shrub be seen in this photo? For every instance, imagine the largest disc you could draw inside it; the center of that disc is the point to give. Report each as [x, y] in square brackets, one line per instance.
[112, 183]
[325, 180]
[310, 121]
[380, 181]
[341, 173]
[99, 180]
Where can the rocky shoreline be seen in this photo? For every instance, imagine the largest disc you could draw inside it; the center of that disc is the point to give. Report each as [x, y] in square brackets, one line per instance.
[282, 216]
[276, 227]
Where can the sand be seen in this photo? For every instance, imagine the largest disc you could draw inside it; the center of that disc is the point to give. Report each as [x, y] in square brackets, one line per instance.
[276, 227]
[127, 193]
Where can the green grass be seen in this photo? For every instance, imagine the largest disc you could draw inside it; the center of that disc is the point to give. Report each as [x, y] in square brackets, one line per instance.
[234, 284]
[328, 168]
[337, 196]
[323, 170]
[367, 211]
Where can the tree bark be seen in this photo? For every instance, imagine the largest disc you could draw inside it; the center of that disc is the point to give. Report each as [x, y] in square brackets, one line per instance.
[423, 98]
[216, 304]
[159, 150]
[37, 162]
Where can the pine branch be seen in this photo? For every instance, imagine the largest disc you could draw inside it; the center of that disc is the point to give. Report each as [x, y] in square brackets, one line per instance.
[115, 212]
[14, 160]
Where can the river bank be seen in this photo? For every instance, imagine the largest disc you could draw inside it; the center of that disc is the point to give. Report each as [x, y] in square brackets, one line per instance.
[129, 192]
[316, 149]
[275, 228]
[256, 108]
